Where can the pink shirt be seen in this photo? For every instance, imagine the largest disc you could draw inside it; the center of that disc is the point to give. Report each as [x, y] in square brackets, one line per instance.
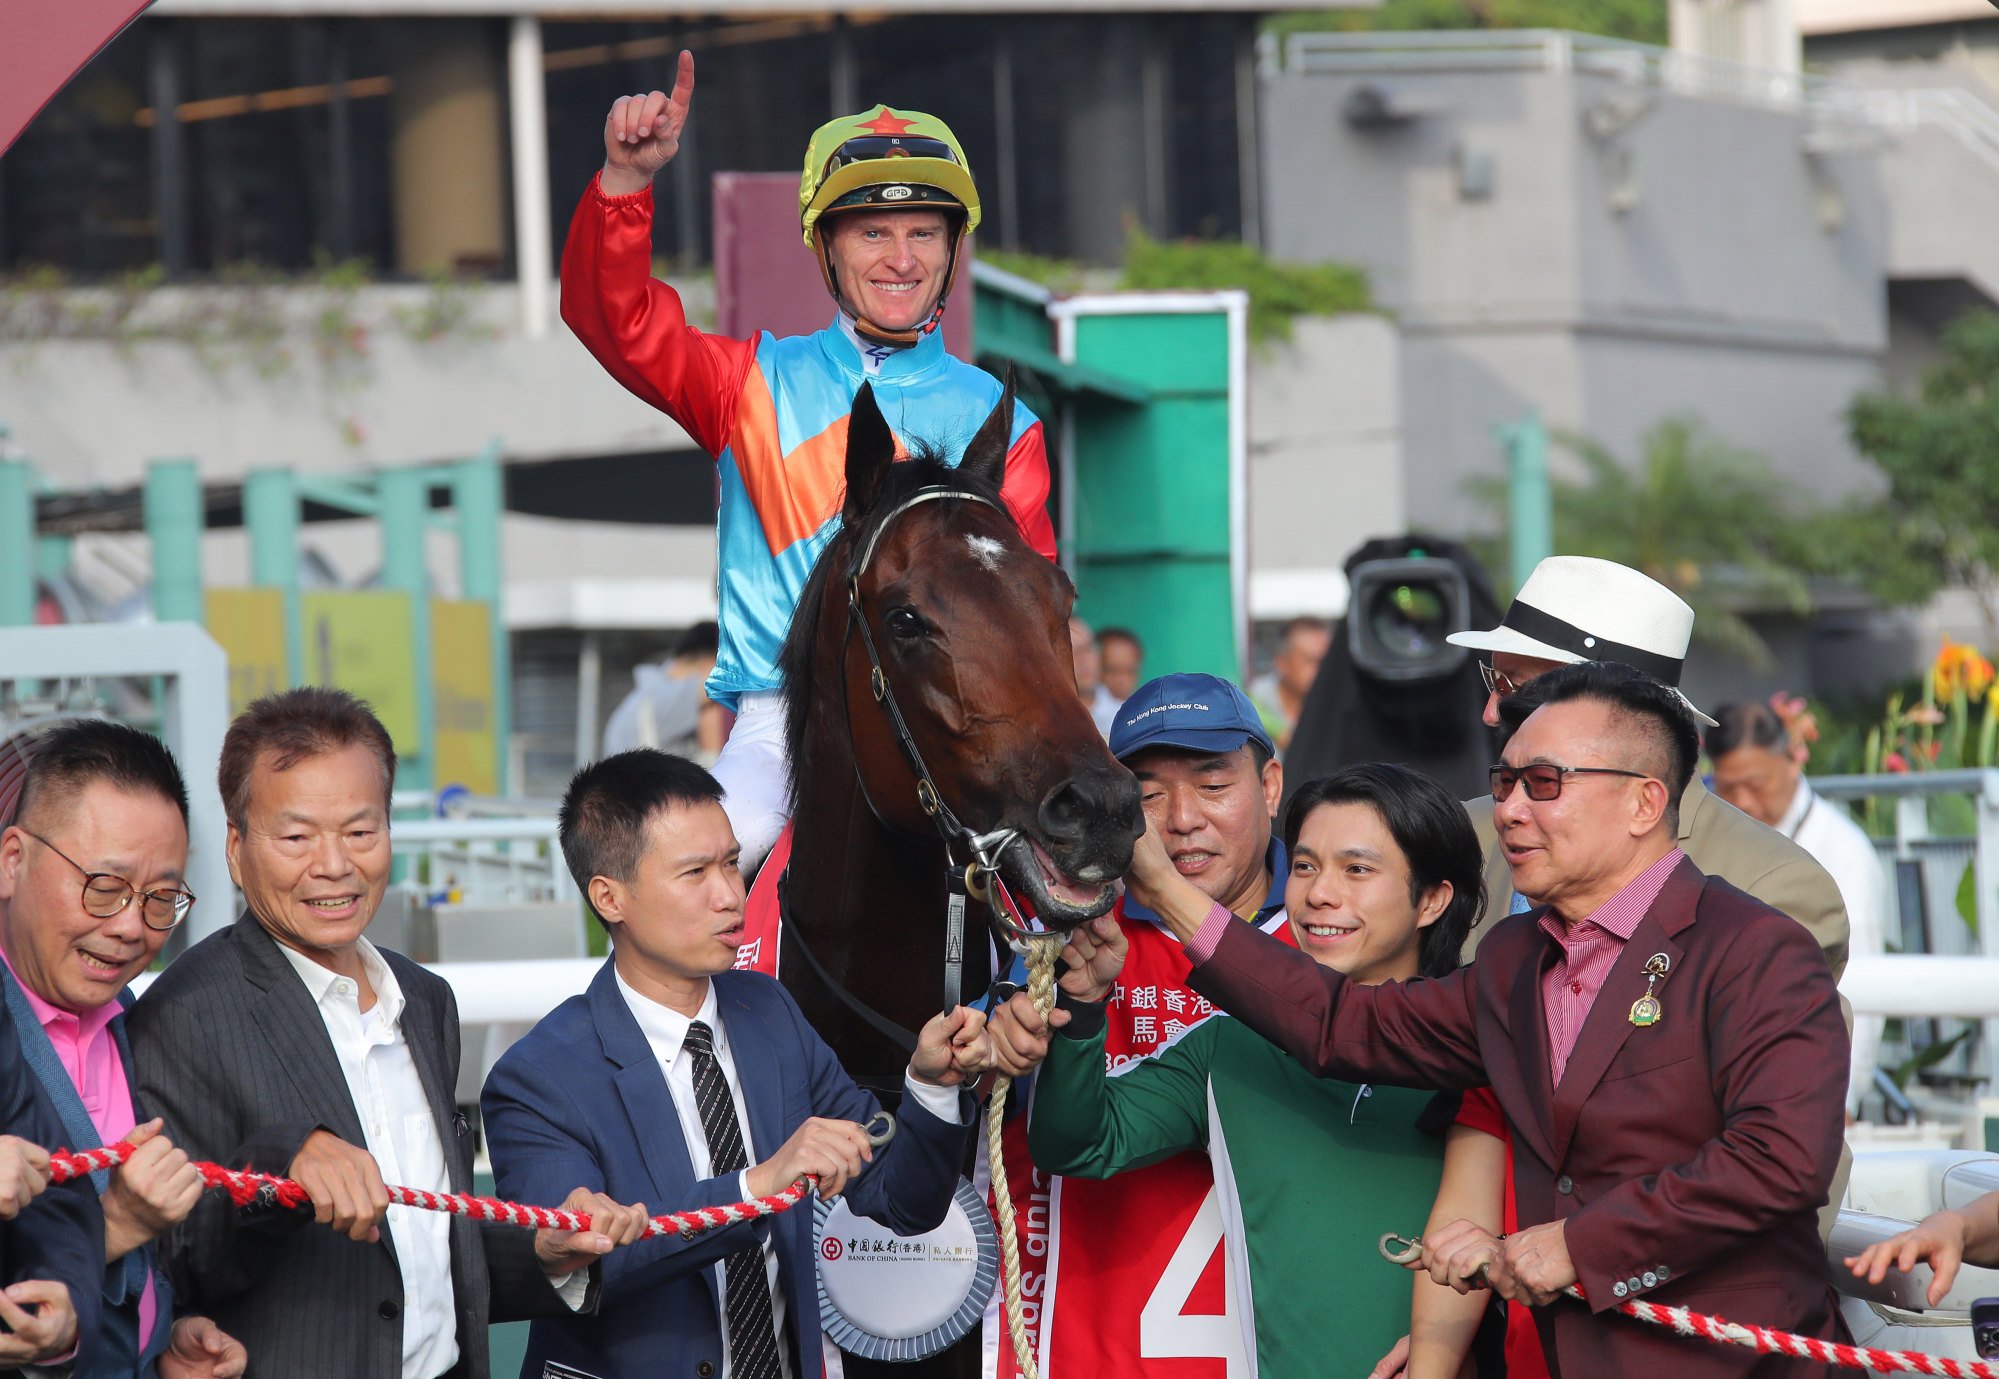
[89, 1054]
[1590, 948]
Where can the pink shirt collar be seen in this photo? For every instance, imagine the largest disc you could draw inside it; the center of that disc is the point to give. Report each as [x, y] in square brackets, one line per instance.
[81, 1028]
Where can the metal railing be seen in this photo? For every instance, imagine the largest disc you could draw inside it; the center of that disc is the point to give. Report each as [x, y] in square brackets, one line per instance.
[1932, 851]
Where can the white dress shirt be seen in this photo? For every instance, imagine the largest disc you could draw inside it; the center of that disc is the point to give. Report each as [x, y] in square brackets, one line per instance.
[1825, 830]
[665, 1031]
[403, 1137]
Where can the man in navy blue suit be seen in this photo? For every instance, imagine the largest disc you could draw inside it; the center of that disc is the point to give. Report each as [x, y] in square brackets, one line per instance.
[676, 1082]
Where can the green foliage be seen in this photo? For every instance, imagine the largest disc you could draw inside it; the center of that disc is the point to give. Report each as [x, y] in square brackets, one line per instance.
[1062, 276]
[1704, 518]
[1928, 1057]
[1642, 21]
[1938, 523]
[1278, 293]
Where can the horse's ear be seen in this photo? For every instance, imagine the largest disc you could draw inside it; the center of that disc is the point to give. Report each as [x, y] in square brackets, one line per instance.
[870, 451]
[986, 455]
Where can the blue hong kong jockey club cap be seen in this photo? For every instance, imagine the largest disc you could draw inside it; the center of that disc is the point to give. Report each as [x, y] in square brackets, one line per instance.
[1197, 713]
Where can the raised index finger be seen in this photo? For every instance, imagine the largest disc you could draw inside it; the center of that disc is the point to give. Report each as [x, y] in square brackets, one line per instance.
[683, 82]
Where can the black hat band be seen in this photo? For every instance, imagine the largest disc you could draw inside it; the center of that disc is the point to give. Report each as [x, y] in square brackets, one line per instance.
[1530, 621]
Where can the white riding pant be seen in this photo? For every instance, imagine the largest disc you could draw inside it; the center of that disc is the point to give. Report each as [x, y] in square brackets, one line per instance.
[756, 775]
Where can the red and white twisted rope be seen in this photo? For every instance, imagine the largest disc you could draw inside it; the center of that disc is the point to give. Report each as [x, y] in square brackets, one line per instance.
[1766, 1341]
[245, 1186]
[1762, 1339]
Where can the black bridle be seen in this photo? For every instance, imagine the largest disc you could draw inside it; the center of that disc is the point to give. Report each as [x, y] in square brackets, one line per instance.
[982, 851]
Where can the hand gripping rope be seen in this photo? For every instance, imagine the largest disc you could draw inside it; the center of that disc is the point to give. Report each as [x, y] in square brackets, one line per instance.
[1404, 1250]
[1042, 950]
[246, 1187]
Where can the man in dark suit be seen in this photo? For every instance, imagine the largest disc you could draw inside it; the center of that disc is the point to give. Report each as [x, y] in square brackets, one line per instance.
[290, 1044]
[51, 1239]
[681, 1083]
[1668, 1051]
[90, 887]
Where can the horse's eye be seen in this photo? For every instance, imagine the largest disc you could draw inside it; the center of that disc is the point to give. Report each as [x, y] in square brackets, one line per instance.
[905, 622]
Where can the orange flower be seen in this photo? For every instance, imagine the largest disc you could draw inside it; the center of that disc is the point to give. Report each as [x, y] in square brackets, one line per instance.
[1959, 666]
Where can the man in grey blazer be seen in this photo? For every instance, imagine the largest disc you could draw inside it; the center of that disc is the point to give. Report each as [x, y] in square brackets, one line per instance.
[290, 1044]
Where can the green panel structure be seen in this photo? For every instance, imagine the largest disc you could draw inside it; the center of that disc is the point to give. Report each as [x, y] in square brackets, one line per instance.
[1158, 492]
[404, 498]
[17, 543]
[271, 515]
[478, 492]
[174, 522]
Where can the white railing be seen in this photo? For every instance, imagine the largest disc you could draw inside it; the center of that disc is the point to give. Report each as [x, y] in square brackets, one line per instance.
[1952, 110]
[1544, 50]
[1927, 866]
[492, 860]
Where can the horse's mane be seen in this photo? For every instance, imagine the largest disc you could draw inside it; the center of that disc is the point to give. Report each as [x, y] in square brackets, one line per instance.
[925, 468]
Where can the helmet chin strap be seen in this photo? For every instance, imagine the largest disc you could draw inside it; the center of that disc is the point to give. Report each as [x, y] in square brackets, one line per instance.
[880, 335]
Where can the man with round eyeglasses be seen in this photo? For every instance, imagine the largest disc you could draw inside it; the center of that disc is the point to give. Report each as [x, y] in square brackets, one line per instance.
[91, 885]
[1577, 608]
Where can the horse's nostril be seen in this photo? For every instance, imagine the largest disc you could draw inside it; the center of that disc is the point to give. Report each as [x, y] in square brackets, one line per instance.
[1082, 804]
[1065, 812]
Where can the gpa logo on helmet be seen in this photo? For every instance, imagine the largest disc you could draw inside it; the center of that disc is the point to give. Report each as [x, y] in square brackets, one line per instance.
[897, 193]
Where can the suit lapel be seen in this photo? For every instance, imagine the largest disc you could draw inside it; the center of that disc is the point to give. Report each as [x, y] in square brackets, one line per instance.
[423, 1035]
[753, 1053]
[1609, 1022]
[1529, 1022]
[641, 1084]
[284, 1013]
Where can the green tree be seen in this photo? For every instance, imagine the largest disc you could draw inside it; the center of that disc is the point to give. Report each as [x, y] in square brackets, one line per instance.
[1642, 21]
[1704, 518]
[1938, 523]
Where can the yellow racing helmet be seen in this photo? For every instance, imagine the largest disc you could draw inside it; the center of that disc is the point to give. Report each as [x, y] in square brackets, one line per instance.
[884, 159]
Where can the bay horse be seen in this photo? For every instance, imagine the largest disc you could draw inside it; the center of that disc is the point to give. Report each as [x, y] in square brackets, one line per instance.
[931, 693]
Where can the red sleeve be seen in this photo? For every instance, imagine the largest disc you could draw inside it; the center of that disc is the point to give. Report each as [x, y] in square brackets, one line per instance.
[636, 326]
[1026, 489]
[1480, 1111]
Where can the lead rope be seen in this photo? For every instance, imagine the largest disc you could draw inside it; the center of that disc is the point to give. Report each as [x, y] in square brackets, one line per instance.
[247, 1188]
[1407, 1250]
[1042, 950]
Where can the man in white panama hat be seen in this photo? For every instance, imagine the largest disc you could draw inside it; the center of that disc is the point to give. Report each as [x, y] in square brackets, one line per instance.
[1575, 608]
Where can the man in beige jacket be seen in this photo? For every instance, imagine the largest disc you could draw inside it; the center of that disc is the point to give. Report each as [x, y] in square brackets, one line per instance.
[1575, 608]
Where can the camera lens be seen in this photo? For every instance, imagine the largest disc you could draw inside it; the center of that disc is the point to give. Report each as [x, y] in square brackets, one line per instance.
[1409, 621]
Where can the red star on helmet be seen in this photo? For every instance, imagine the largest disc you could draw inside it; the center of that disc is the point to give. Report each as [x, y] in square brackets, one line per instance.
[887, 122]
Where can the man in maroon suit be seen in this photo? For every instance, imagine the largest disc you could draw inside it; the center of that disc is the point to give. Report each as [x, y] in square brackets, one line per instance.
[1668, 1051]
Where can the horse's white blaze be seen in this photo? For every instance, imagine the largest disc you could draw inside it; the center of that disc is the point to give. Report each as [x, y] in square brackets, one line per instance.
[986, 551]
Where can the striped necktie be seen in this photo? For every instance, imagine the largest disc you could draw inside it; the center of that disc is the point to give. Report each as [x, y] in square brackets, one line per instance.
[746, 1286]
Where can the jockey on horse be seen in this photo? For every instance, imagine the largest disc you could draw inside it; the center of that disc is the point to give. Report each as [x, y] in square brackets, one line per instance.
[886, 201]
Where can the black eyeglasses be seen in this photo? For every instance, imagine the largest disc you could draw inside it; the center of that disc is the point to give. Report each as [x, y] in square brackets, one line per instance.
[104, 894]
[1498, 681]
[1544, 782]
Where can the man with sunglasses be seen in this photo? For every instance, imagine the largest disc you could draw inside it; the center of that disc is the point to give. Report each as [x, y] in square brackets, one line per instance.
[91, 885]
[1576, 608]
[885, 204]
[1667, 1052]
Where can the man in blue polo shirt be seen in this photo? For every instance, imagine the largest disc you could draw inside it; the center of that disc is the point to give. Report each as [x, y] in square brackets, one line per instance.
[1121, 1249]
